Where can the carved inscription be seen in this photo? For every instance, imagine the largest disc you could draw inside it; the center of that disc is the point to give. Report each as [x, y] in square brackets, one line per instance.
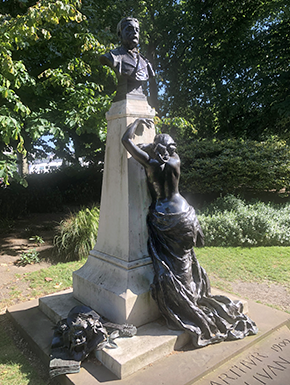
[267, 364]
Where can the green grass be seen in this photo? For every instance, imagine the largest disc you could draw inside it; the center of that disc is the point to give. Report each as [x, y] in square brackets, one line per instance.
[52, 279]
[15, 368]
[255, 264]
[223, 265]
[14, 293]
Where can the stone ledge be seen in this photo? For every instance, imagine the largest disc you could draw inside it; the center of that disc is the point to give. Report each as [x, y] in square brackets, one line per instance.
[152, 342]
[178, 367]
[57, 306]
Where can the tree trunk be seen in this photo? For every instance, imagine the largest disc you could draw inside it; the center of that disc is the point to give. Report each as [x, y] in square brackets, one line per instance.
[153, 88]
[23, 167]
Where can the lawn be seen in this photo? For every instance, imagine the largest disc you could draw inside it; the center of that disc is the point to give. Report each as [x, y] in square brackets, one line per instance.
[223, 264]
[254, 264]
[270, 264]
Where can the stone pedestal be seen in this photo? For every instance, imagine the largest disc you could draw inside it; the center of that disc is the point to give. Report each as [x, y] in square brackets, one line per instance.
[116, 278]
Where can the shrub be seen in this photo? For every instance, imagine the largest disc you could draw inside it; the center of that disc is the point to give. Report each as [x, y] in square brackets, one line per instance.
[37, 239]
[79, 185]
[230, 221]
[13, 201]
[230, 165]
[77, 235]
[6, 225]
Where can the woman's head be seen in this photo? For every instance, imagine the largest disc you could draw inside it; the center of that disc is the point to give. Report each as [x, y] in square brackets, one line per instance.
[163, 147]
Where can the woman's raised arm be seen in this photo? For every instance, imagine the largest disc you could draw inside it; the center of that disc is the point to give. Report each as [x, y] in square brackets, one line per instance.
[137, 153]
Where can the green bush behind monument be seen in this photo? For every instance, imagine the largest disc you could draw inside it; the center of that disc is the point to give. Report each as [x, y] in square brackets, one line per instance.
[228, 221]
[234, 165]
[231, 221]
[51, 192]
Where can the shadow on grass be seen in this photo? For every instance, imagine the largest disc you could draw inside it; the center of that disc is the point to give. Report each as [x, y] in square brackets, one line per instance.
[15, 367]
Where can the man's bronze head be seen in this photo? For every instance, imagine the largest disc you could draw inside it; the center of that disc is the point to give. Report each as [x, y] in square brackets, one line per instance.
[128, 32]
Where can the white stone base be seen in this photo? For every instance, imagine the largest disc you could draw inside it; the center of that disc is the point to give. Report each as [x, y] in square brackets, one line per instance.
[119, 293]
[152, 342]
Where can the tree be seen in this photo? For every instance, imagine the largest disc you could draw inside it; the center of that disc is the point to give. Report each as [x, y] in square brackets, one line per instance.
[223, 66]
[50, 78]
[64, 91]
[227, 67]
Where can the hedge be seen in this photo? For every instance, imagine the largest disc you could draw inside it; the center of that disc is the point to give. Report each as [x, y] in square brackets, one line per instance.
[227, 166]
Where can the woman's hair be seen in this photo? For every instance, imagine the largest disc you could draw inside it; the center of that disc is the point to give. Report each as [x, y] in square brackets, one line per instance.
[164, 139]
[147, 148]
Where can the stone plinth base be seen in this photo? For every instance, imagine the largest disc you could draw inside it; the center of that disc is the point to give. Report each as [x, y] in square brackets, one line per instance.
[118, 291]
[247, 361]
[152, 342]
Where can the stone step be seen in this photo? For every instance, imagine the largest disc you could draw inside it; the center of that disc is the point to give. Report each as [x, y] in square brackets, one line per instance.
[152, 342]
[184, 366]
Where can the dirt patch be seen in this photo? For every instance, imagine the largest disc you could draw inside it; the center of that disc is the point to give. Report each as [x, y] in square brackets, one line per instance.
[269, 293]
[16, 241]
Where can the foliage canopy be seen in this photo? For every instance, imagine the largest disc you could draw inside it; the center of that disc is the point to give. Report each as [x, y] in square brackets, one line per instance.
[50, 79]
[226, 66]
[223, 67]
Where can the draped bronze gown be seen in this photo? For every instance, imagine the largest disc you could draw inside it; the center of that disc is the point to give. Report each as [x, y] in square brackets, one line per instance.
[181, 287]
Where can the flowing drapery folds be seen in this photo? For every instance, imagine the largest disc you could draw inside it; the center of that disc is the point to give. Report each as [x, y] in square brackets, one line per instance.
[181, 287]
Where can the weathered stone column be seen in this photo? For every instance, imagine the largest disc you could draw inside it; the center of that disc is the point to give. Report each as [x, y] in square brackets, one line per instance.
[116, 278]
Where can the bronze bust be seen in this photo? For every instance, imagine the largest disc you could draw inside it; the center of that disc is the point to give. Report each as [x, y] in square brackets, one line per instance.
[132, 68]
